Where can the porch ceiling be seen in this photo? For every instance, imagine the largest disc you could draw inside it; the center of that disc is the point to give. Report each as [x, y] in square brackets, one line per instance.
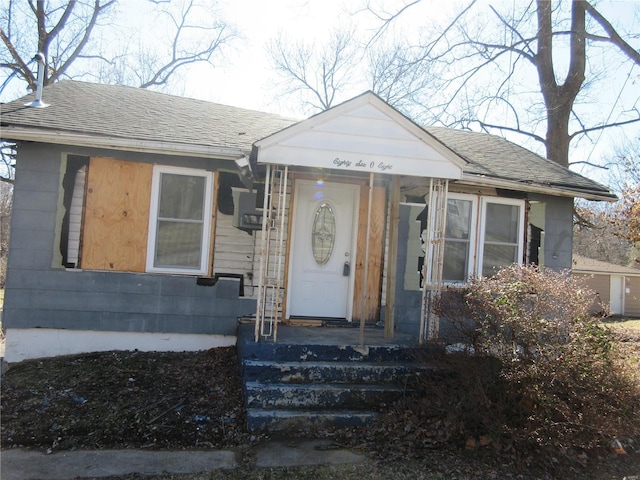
[365, 135]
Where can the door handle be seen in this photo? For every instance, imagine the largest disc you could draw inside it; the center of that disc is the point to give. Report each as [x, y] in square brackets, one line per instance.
[346, 269]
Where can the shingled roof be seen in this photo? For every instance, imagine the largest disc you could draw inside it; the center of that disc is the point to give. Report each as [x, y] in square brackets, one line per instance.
[130, 113]
[496, 158]
[109, 116]
[589, 265]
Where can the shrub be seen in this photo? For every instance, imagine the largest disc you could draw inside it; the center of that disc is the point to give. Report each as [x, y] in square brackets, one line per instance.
[564, 382]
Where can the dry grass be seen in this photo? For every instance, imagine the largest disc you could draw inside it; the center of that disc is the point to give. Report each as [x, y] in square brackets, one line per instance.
[629, 324]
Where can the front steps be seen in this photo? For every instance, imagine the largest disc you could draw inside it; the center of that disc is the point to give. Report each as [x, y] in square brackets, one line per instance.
[293, 386]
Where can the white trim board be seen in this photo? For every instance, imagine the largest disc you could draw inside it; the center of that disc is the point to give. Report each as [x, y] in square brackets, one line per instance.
[365, 135]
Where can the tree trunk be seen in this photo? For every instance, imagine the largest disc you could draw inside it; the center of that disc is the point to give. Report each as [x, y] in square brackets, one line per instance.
[559, 99]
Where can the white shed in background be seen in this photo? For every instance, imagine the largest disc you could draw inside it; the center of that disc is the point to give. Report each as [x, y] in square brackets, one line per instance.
[616, 286]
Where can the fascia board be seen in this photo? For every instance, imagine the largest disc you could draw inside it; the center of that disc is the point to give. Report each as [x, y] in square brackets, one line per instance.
[477, 180]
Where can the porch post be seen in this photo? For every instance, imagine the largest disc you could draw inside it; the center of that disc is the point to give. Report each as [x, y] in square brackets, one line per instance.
[264, 245]
[392, 259]
[363, 304]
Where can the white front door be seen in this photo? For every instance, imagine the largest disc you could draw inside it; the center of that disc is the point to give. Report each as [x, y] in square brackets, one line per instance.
[616, 298]
[322, 256]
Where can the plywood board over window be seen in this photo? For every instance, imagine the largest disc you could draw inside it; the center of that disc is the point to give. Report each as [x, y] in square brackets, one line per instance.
[116, 220]
[376, 252]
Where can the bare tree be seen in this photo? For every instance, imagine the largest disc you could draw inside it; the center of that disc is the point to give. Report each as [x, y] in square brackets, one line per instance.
[487, 69]
[59, 30]
[193, 32]
[626, 218]
[80, 39]
[321, 74]
[597, 234]
[316, 73]
[396, 73]
[68, 34]
[6, 200]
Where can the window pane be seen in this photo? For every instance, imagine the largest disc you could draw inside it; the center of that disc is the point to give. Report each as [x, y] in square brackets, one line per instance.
[497, 256]
[502, 223]
[323, 235]
[454, 268]
[178, 244]
[458, 218]
[457, 236]
[181, 196]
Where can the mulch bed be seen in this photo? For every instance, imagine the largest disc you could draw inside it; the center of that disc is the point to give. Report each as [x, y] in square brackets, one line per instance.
[193, 400]
[125, 400]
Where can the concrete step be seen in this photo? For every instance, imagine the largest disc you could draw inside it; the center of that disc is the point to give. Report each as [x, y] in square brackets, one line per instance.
[278, 420]
[284, 352]
[270, 371]
[320, 396]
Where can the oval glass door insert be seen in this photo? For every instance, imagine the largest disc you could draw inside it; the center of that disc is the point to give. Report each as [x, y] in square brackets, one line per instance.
[323, 234]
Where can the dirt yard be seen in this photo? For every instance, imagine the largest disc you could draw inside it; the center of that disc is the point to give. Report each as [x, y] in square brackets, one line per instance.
[115, 400]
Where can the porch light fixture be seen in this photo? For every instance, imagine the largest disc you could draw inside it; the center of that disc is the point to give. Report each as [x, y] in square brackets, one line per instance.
[245, 174]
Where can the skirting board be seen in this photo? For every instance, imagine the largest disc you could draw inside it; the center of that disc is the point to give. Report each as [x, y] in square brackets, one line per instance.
[23, 344]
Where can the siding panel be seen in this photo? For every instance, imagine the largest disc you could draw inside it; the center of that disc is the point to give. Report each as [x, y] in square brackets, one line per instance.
[40, 293]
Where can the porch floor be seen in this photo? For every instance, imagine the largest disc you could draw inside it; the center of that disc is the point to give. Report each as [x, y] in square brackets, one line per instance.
[327, 335]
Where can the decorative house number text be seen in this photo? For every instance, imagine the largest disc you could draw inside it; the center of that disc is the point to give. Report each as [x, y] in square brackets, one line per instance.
[381, 166]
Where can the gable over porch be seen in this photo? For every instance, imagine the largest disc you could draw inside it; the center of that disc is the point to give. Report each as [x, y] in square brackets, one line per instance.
[325, 202]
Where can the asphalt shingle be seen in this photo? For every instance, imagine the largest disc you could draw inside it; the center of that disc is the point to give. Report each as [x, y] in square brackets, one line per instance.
[496, 157]
[137, 114]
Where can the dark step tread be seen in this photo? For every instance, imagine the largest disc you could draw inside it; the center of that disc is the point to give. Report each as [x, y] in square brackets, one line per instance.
[330, 363]
[272, 412]
[374, 387]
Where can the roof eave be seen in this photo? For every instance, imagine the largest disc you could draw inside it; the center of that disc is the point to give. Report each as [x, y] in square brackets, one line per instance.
[564, 191]
[595, 271]
[118, 143]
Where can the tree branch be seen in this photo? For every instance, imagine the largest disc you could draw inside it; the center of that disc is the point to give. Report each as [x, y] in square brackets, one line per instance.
[97, 10]
[602, 127]
[387, 21]
[511, 129]
[614, 37]
[21, 65]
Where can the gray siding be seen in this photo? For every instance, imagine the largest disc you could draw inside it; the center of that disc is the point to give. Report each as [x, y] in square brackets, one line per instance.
[558, 231]
[558, 224]
[41, 294]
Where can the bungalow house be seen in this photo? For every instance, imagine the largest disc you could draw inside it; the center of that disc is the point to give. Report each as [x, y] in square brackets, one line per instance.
[617, 288]
[149, 221]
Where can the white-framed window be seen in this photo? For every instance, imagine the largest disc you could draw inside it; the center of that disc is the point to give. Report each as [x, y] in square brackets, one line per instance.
[180, 220]
[460, 238]
[482, 234]
[501, 236]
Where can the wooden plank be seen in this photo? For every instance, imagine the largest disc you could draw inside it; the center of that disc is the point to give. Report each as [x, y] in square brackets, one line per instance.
[116, 222]
[304, 322]
[376, 253]
[214, 223]
[392, 260]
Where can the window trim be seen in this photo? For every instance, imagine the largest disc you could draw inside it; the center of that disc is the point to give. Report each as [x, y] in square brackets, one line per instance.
[207, 220]
[473, 235]
[486, 200]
